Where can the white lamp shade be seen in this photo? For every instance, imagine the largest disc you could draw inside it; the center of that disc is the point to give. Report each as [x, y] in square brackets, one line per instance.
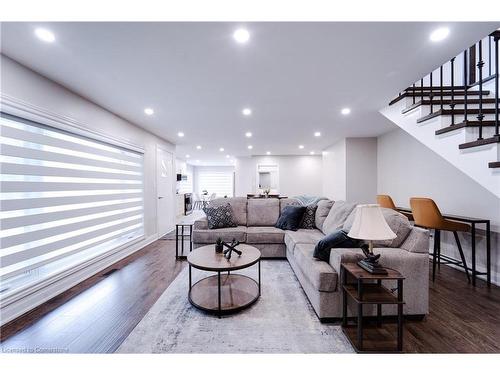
[369, 224]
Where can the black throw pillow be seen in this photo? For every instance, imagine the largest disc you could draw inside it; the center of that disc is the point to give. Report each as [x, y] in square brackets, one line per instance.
[337, 239]
[290, 218]
[220, 216]
[309, 218]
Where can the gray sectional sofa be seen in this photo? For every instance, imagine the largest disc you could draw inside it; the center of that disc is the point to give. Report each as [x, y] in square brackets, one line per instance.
[320, 280]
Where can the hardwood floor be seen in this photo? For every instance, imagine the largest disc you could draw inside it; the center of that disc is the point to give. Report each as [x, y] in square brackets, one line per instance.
[98, 314]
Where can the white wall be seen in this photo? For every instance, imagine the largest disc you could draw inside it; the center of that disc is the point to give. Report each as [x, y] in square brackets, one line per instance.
[407, 168]
[23, 85]
[298, 175]
[350, 170]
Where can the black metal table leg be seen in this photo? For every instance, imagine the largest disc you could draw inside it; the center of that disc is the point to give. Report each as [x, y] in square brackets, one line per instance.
[190, 238]
[360, 316]
[344, 297]
[190, 277]
[488, 254]
[219, 294]
[176, 241]
[379, 308]
[400, 315]
[259, 277]
[473, 246]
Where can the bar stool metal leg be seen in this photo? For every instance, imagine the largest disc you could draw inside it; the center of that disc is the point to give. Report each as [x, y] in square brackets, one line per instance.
[462, 256]
[434, 254]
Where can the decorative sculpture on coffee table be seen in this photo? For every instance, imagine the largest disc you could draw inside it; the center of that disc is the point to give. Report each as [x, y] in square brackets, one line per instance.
[230, 248]
[219, 245]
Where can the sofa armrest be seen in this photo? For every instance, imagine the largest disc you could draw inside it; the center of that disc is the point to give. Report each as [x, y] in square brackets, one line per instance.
[417, 241]
[201, 223]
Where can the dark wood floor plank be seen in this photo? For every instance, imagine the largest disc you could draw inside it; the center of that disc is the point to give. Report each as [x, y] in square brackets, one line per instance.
[98, 314]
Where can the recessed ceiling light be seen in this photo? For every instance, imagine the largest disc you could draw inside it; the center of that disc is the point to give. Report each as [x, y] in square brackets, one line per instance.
[439, 34]
[301, 146]
[221, 149]
[345, 111]
[241, 35]
[187, 156]
[317, 134]
[228, 156]
[246, 111]
[268, 153]
[180, 134]
[149, 111]
[197, 160]
[45, 35]
[250, 147]
[198, 147]
[311, 153]
[248, 134]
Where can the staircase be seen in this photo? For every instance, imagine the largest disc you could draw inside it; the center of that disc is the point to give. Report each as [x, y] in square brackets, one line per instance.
[454, 111]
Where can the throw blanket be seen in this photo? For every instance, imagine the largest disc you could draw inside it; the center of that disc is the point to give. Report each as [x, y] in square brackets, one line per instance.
[307, 200]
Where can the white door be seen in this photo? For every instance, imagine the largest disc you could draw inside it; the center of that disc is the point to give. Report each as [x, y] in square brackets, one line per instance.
[165, 191]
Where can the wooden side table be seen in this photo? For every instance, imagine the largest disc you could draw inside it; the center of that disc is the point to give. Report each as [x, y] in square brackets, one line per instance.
[368, 290]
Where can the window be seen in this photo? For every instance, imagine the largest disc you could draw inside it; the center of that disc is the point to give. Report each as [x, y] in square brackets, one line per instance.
[65, 199]
[218, 180]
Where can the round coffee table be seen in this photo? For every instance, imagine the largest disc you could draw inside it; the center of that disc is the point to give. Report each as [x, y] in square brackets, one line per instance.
[224, 293]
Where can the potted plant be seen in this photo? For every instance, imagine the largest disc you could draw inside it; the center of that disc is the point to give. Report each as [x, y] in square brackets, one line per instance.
[219, 245]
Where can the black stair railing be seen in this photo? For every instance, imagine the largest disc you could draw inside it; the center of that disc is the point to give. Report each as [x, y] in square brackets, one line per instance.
[413, 97]
[441, 86]
[480, 65]
[431, 96]
[422, 90]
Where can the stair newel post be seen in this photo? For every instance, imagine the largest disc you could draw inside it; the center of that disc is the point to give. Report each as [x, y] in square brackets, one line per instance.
[431, 94]
[421, 89]
[465, 87]
[480, 65]
[452, 102]
[441, 86]
[413, 97]
[497, 130]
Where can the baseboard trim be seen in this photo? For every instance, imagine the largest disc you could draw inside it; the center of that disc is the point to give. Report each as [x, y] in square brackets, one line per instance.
[16, 306]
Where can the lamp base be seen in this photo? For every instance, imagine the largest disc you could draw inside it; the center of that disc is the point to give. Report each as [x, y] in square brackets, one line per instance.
[374, 268]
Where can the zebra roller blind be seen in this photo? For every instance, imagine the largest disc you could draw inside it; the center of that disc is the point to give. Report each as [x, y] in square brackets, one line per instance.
[64, 198]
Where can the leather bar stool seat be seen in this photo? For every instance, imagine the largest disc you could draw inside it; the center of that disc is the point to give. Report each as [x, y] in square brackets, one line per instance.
[387, 202]
[426, 214]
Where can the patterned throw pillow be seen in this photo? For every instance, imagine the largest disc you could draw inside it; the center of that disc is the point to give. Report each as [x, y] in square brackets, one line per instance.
[309, 219]
[220, 216]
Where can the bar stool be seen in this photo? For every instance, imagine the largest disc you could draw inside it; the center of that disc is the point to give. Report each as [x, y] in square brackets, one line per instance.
[387, 202]
[427, 215]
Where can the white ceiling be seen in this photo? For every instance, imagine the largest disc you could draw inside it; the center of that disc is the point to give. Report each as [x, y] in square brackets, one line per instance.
[295, 76]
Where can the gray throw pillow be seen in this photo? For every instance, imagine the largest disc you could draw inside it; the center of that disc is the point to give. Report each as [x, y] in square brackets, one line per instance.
[337, 216]
[220, 216]
[322, 211]
[309, 217]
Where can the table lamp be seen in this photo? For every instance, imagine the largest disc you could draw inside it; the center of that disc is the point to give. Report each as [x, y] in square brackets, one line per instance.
[370, 225]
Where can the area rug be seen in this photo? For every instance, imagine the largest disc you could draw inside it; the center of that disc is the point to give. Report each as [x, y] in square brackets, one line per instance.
[281, 321]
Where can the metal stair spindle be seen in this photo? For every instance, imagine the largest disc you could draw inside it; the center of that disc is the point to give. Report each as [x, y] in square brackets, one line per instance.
[465, 86]
[413, 96]
[452, 103]
[497, 130]
[430, 94]
[422, 89]
[480, 65]
[441, 85]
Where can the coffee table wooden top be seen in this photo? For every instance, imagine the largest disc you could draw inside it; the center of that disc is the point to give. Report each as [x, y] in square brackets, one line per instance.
[205, 258]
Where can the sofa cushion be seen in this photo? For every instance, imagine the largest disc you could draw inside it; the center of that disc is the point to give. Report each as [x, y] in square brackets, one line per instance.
[267, 235]
[263, 212]
[399, 224]
[337, 216]
[220, 216]
[290, 218]
[227, 234]
[308, 236]
[239, 206]
[324, 207]
[288, 202]
[309, 218]
[320, 274]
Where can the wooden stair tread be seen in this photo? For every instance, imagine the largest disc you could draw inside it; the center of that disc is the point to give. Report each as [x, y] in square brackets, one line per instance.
[463, 124]
[481, 142]
[448, 88]
[435, 94]
[494, 164]
[449, 112]
[447, 102]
